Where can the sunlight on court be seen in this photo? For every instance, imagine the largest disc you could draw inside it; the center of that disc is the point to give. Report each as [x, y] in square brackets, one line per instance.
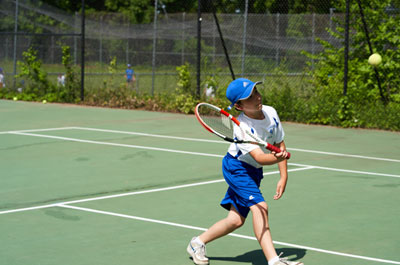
[118, 188]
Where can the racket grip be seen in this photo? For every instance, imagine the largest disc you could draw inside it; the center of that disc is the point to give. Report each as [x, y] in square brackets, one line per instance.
[276, 150]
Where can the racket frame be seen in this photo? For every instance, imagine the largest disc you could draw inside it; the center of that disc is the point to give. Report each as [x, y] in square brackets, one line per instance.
[257, 140]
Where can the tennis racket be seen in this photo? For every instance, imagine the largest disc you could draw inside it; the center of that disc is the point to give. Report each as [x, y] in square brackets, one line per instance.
[223, 124]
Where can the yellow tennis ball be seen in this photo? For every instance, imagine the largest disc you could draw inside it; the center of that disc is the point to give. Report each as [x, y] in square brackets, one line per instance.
[15, 98]
[44, 101]
[375, 59]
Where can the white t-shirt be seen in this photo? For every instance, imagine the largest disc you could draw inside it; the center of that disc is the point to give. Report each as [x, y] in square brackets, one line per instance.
[268, 129]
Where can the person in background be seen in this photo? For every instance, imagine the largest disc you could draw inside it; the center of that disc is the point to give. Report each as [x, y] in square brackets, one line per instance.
[130, 76]
[209, 91]
[61, 80]
[2, 83]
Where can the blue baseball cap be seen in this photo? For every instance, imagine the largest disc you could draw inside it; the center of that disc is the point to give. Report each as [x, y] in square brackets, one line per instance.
[240, 89]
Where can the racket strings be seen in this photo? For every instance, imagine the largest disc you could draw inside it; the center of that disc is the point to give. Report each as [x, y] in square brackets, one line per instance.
[218, 122]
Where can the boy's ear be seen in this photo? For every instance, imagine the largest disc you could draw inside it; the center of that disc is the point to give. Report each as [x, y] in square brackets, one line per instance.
[238, 106]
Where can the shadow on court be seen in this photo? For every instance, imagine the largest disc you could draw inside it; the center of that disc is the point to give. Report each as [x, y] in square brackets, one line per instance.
[256, 257]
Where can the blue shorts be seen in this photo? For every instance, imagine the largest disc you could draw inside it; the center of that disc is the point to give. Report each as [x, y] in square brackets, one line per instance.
[244, 183]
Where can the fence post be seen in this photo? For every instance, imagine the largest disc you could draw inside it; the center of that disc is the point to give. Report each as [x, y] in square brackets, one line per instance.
[75, 38]
[15, 42]
[183, 39]
[83, 52]
[313, 41]
[52, 50]
[154, 46]
[101, 42]
[346, 47]
[244, 36]
[137, 82]
[331, 10]
[214, 46]
[277, 40]
[199, 18]
[6, 48]
[127, 43]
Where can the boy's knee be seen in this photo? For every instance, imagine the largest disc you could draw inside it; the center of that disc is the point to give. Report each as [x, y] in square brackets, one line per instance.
[260, 207]
[236, 222]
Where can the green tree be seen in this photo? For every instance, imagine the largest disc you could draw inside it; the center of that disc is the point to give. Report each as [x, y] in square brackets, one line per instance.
[363, 95]
[139, 11]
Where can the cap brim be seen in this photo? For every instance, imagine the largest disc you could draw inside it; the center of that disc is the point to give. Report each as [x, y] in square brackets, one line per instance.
[249, 91]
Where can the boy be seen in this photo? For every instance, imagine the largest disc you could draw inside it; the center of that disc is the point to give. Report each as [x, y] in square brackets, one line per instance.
[242, 170]
[129, 75]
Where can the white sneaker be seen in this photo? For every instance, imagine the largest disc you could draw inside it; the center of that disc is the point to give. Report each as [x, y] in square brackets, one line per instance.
[198, 252]
[285, 261]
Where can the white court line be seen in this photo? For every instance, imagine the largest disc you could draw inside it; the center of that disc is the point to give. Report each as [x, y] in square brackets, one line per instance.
[187, 152]
[114, 144]
[152, 135]
[201, 140]
[39, 130]
[348, 171]
[231, 234]
[30, 208]
[136, 193]
[113, 196]
[345, 155]
[224, 142]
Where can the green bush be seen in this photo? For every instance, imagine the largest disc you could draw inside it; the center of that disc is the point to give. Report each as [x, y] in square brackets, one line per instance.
[184, 100]
[37, 84]
[71, 91]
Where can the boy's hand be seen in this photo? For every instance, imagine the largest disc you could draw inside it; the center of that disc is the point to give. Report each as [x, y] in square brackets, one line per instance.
[280, 189]
[282, 155]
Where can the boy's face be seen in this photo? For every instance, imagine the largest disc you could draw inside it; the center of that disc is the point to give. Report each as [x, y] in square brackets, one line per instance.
[251, 104]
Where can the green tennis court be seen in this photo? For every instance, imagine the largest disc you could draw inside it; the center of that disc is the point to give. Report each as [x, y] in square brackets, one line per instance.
[83, 185]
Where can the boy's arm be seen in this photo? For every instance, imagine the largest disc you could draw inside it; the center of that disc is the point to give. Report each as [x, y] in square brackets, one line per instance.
[280, 187]
[265, 159]
[273, 158]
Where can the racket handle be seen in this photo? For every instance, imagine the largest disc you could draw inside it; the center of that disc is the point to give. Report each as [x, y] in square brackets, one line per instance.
[276, 149]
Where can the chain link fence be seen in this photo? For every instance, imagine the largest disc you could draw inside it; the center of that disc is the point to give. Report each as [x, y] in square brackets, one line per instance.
[261, 46]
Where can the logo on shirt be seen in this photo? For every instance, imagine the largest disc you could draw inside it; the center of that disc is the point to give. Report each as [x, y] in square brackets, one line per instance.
[271, 128]
[276, 122]
[251, 197]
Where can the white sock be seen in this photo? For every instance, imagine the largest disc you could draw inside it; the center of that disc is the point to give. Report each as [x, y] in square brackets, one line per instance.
[198, 241]
[272, 261]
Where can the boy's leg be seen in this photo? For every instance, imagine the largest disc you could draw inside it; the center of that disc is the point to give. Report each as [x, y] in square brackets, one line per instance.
[262, 230]
[197, 247]
[223, 227]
